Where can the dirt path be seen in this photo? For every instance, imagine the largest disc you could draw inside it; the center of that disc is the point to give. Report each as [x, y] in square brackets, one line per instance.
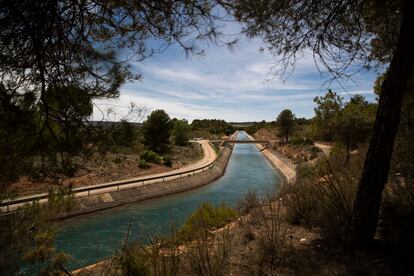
[323, 147]
[209, 155]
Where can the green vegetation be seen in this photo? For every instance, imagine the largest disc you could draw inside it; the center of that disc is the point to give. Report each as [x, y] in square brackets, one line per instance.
[143, 164]
[323, 196]
[349, 124]
[285, 123]
[156, 131]
[180, 132]
[301, 141]
[206, 217]
[59, 57]
[150, 156]
[252, 129]
[213, 126]
[166, 160]
[363, 33]
[191, 250]
[28, 236]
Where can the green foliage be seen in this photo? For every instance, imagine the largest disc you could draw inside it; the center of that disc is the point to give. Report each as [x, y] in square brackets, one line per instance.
[151, 157]
[208, 255]
[157, 131]
[403, 155]
[180, 132]
[28, 236]
[166, 160]
[285, 122]
[124, 134]
[117, 160]
[59, 57]
[378, 83]
[143, 164]
[213, 126]
[206, 217]
[252, 129]
[301, 141]
[396, 226]
[135, 261]
[33, 141]
[324, 122]
[350, 123]
[353, 124]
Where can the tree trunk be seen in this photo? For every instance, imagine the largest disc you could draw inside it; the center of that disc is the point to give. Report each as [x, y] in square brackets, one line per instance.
[378, 158]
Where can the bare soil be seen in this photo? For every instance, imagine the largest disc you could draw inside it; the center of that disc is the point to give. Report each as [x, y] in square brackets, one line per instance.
[296, 153]
[301, 251]
[101, 169]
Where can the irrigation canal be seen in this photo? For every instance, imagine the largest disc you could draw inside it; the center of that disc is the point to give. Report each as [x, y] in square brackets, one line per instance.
[93, 237]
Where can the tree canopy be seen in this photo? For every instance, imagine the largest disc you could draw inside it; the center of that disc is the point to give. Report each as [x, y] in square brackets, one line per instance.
[157, 131]
[180, 131]
[52, 48]
[345, 37]
[285, 123]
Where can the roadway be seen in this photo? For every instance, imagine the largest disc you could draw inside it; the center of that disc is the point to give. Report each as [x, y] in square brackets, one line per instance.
[209, 155]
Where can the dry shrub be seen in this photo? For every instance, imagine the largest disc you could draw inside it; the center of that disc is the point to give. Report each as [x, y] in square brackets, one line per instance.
[209, 254]
[300, 198]
[161, 257]
[191, 250]
[271, 237]
[323, 195]
[396, 224]
[248, 202]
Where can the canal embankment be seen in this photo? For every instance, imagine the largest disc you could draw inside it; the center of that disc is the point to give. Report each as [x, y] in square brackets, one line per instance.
[118, 198]
[284, 167]
[167, 187]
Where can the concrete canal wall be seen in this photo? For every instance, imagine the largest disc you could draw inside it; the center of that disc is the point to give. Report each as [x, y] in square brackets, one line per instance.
[286, 172]
[112, 199]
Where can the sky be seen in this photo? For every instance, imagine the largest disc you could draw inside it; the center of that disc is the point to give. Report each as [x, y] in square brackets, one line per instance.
[233, 85]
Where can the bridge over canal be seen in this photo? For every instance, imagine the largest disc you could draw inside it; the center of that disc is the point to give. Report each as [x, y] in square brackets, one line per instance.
[264, 143]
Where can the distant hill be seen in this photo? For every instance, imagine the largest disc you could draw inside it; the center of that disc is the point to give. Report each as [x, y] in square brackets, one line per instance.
[111, 124]
[241, 124]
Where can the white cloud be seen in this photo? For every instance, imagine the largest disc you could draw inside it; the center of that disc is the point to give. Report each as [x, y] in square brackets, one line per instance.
[234, 86]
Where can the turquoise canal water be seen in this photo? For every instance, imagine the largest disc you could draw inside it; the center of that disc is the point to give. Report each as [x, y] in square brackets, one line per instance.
[93, 237]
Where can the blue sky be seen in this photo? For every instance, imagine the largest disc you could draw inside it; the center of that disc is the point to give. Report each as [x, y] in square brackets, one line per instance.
[230, 85]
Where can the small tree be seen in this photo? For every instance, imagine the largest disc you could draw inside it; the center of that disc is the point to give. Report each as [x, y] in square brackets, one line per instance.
[124, 134]
[180, 132]
[285, 123]
[157, 131]
[327, 108]
[353, 124]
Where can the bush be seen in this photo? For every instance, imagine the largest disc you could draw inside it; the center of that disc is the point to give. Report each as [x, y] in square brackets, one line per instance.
[396, 225]
[314, 149]
[209, 255]
[143, 164]
[135, 261]
[300, 199]
[271, 237]
[206, 217]
[166, 160]
[117, 160]
[248, 202]
[301, 141]
[137, 146]
[151, 157]
[323, 196]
